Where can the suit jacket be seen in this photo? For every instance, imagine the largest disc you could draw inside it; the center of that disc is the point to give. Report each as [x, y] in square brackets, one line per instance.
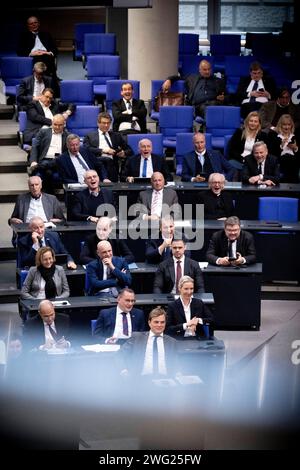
[241, 92]
[118, 279]
[268, 111]
[67, 170]
[27, 41]
[42, 142]
[91, 141]
[138, 110]
[32, 283]
[134, 349]
[218, 162]
[152, 254]
[169, 199]
[132, 166]
[236, 144]
[81, 206]
[51, 206]
[119, 248]
[27, 253]
[164, 279]
[26, 89]
[210, 201]
[218, 247]
[176, 317]
[271, 171]
[34, 333]
[106, 322]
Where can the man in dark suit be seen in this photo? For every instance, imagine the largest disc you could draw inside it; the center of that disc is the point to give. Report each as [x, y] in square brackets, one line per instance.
[158, 201]
[29, 244]
[231, 246]
[36, 203]
[39, 45]
[46, 330]
[199, 164]
[254, 90]
[260, 167]
[31, 87]
[172, 269]
[271, 111]
[73, 163]
[151, 353]
[108, 274]
[118, 323]
[109, 147]
[145, 164]
[218, 204]
[129, 114]
[87, 201]
[202, 89]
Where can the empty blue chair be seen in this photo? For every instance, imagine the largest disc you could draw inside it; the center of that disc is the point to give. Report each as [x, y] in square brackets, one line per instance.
[190, 63]
[184, 144]
[222, 45]
[99, 43]
[79, 31]
[175, 119]
[156, 88]
[282, 209]
[156, 139]
[84, 120]
[12, 70]
[100, 69]
[22, 118]
[113, 91]
[235, 68]
[188, 43]
[221, 121]
[79, 92]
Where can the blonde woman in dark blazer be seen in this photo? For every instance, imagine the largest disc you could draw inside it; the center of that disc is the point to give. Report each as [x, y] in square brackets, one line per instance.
[45, 280]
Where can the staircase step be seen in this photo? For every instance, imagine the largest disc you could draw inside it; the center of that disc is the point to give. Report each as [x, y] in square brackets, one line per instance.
[8, 139]
[13, 167]
[6, 111]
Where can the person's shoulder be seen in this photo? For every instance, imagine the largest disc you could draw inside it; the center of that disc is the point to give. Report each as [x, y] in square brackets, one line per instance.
[59, 268]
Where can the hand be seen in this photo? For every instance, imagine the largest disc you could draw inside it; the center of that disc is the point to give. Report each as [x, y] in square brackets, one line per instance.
[35, 237]
[224, 261]
[93, 219]
[56, 221]
[198, 179]
[269, 183]
[62, 343]
[239, 260]
[254, 179]
[71, 265]
[121, 154]
[221, 96]
[108, 151]
[33, 164]
[166, 86]
[111, 340]
[106, 180]
[15, 220]
[130, 179]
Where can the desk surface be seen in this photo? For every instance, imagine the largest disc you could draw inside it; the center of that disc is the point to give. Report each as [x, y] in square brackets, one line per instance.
[252, 269]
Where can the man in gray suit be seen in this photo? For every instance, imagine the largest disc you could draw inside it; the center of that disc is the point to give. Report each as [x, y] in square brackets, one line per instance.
[36, 203]
[158, 201]
[151, 353]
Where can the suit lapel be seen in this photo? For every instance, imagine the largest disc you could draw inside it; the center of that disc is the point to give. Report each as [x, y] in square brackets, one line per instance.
[181, 311]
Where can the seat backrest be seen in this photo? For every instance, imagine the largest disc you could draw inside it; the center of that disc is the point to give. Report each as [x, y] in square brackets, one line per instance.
[222, 120]
[113, 90]
[13, 69]
[235, 68]
[22, 120]
[79, 92]
[190, 63]
[99, 43]
[101, 68]
[283, 209]
[174, 119]
[80, 30]
[156, 139]
[184, 145]
[156, 88]
[225, 44]
[84, 120]
[188, 43]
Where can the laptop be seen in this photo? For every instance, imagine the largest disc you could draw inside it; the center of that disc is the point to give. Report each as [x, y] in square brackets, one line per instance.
[61, 258]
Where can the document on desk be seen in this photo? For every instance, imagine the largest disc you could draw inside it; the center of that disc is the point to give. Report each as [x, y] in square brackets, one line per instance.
[60, 303]
[203, 264]
[170, 183]
[101, 347]
[182, 223]
[189, 379]
[77, 185]
[133, 266]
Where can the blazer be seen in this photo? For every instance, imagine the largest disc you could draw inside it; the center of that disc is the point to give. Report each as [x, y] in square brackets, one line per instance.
[27, 41]
[81, 206]
[218, 162]
[215, 86]
[164, 279]
[169, 199]
[134, 349]
[31, 286]
[27, 254]
[26, 89]
[119, 248]
[271, 169]
[34, 333]
[91, 141]
[236, 144]
[268, 111]
[106, 322]
[152, 254]
[118, 279]
[176, 317]
[41, 144]
[51, 206]
[138, 110]
[67, 170]
[210, 201]
[241, 92]
[132, 166]
[274, 143]
[218, 247]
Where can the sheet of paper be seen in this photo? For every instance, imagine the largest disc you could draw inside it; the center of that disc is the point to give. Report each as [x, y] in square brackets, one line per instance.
[101, 347]
[203, 264]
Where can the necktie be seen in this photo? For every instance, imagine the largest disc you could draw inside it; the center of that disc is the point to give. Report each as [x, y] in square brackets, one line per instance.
[230, 250]
[53, 333]
[82, 162]
[155, 355]
[178, 274]
[107, 140]
[255, 86]
[41, 243]
[129, 107]
[201, 160]
[155, 202]
[259, 169]
[125, 324]
[144, 174]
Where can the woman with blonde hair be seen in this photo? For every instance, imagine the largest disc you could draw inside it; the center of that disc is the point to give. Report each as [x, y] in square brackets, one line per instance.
[45, 280]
